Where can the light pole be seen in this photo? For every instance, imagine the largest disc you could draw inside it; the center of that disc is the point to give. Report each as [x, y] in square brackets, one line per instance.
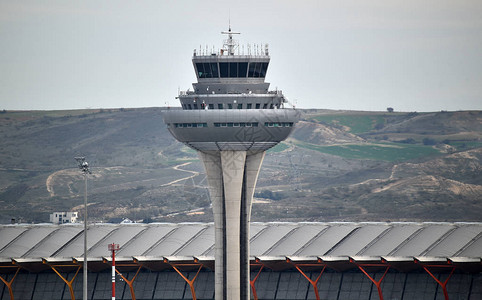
[113, 248]
[84, 167]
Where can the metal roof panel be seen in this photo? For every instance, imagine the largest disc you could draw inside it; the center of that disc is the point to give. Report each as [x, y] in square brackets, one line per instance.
[357, 240]
[265, 240]
[423, 239]
[293, 242]
[455, 241]
[393, 238]
[175, 240]
[26, 241]
[75, 247]
[328, 238]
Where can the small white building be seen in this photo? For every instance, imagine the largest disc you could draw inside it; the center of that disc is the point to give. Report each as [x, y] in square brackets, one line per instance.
[64, 217]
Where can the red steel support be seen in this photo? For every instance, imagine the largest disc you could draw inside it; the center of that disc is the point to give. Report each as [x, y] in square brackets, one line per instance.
[442, 284]
[252, 282]
[67, 282]
[130, 282]
[375, 282]
[189, 282]
[312, 282]
[9, 283]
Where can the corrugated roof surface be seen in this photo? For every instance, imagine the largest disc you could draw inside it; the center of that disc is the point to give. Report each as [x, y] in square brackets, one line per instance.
[445, 240]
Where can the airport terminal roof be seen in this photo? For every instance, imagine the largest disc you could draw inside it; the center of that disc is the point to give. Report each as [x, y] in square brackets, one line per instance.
[339, 245]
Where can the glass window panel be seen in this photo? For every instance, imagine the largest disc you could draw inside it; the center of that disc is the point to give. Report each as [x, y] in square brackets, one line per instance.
[257, 73]
[207, 70]
[240, 105]
[252, 68]
[233, 70]
[200, 70]
[220, 106]
[257, 105]
[242, 69]
[230, 106]
[249, 105]
[214, 69]
[264, 69]
[223, 69]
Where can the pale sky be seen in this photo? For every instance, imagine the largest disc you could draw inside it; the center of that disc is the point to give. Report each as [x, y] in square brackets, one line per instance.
[412, 55]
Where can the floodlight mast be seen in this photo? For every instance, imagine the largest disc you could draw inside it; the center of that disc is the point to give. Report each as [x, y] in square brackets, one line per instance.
[84, 167]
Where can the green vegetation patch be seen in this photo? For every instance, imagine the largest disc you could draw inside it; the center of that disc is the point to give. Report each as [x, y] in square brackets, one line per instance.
[356, 123]
[383, 152]
[278, 148]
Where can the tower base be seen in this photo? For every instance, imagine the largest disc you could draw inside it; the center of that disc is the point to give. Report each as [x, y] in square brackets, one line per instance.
[232, 177]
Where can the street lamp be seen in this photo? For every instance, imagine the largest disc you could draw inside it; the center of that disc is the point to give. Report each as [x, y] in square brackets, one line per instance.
[84, 167]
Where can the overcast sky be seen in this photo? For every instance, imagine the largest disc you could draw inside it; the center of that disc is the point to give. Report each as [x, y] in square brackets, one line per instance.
[412, 55]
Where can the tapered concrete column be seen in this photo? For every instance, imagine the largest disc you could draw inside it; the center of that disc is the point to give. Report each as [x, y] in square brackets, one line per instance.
[252, 168]
[233, 175]
[232, 178]
[212, 165]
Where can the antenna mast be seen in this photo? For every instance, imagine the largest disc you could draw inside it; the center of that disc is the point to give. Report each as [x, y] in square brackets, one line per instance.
[230, 44]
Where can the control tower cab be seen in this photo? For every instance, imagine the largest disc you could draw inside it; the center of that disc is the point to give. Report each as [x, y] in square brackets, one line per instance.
[231, 106]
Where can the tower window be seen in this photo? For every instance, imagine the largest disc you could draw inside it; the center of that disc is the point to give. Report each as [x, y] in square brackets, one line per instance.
[233, 70]
[211, 106]
[207, 70]
[249, 105]
[258, 105]
[220, 106]
[242, 69]
[240, 105]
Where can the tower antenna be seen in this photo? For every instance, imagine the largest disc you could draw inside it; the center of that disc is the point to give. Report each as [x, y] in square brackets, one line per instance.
[230, 44]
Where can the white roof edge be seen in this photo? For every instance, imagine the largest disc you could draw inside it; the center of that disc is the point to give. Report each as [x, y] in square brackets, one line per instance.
[175, 258]
[398, 258]
[271, 258]
[361, 258]
[27, 260]
[141, 258]
[302, 258]
[92, 259]
[57, 259]
[118, 258]
[5, 260]
[334, 258]
[458, 259]
[204, 258]
[428, 259]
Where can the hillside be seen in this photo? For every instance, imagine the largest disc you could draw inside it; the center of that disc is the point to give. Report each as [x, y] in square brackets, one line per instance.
[336, 166]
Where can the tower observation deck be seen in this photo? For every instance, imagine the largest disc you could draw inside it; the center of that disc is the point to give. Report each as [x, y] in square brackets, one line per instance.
[231, 118]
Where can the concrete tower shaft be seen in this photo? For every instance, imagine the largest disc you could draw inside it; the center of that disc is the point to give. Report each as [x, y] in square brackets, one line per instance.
[232, 177]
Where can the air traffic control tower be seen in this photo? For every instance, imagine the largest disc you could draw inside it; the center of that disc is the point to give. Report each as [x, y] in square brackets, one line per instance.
[231, 119]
